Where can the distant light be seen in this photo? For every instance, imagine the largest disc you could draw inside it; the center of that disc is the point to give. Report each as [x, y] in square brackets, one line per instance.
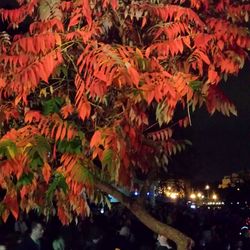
[102, 210]
[238, 189]
[169, 188]
[208, 207]
[207, 187]
[192, 196]
[193, 206]
[214, 197]
[173, 196]
[199, 195]
[136, 193]
[238, 203]
[147, 193]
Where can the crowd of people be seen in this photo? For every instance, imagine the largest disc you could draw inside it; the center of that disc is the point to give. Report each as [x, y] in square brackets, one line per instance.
[119, 229]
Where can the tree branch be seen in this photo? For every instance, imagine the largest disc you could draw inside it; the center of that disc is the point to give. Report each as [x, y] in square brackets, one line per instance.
[183, 242]
[109, 189]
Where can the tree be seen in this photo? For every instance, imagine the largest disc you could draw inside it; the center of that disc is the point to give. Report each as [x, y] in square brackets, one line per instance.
[235, 187]
[90, 91]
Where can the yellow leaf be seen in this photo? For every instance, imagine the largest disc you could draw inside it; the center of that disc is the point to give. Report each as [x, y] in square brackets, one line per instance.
[51, 89]
[43, 92]
[11, 152]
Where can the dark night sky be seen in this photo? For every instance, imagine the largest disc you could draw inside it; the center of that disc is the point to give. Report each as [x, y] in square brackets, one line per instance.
[221, 145]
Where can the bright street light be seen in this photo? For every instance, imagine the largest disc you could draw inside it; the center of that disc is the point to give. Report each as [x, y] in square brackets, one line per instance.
[214, 197]
[192, 196]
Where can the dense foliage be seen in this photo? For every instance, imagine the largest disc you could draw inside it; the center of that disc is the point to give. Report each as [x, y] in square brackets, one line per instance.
[89, 92]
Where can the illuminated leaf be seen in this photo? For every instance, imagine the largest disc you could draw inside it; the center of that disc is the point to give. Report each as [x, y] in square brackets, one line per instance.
[46, 170]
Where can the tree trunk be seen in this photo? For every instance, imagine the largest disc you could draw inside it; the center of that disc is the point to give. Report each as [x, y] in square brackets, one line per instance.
[182, 241]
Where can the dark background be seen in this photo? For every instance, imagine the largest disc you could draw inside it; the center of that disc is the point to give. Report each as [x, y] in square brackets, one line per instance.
[221, 145]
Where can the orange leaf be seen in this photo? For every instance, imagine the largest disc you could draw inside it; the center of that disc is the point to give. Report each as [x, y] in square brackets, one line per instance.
[67, 110]
[64, 130]
[58, 132]
[84, 110]
[96, 139]
[32, 116]
[46, 170]
[2, 83]
[62, 216]
[134, 75]
[144, 20]
[213, 76]
[5, 215]
[70, 133]
[24, 191]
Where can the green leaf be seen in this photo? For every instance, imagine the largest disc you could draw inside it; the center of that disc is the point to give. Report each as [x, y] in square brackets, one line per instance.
[107, 202]
[2, 209]
[74, 146]
[80, 173]
[107, 158]
[39, 149]
[162, 113]
[52, 105]
[25, 180]
[188, 142]
[58, 182]
[195, 85]
[8, 149]
[36, 162]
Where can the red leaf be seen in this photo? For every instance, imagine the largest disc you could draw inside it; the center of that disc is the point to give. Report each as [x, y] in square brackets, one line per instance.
[204, 57]
[74, 20]
[87, 11]
[114, 4]
[46, 170]
[11, 203]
